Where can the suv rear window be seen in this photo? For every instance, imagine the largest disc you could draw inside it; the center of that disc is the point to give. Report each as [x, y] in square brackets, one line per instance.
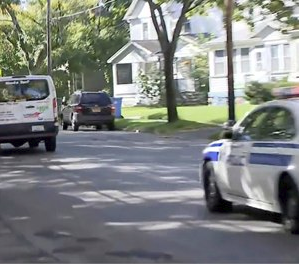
[101, 99]
[14, 90]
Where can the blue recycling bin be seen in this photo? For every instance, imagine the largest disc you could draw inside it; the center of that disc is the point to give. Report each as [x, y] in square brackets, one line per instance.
[117, 104]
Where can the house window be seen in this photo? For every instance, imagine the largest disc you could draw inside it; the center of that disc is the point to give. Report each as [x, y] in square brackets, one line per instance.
[187, 27]
[259, 61]
[286, 57]
[274, 58]
[245, 60]
[220, 62]
[145, 31]
[124, 73]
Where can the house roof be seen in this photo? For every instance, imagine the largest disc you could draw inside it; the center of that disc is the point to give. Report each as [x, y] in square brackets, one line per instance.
[131, 9]
[148, 47]
[243, 34]
[153, 46]
[134, 4]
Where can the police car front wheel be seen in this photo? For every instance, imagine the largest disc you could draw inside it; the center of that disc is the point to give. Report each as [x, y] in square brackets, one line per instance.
[214, 201]
[290, 215]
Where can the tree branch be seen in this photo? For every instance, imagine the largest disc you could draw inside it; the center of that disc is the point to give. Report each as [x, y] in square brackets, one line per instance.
[162, 21]
[196, 4]
[177, 31]
[162, 37]
[20, 35]
[42, 55]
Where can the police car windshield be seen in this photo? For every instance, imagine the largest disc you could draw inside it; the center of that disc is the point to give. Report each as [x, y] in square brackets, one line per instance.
[15, 90]
[100, 99]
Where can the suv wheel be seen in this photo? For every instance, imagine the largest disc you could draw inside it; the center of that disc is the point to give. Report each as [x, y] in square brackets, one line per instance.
[99, 127]
[50, 144]
[111, 126]
[63, 124]
[75, 126]
[290, 212]
[214, 201]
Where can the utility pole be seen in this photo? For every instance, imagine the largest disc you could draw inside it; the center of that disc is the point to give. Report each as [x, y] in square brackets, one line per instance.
[229, 6]
[49, 46]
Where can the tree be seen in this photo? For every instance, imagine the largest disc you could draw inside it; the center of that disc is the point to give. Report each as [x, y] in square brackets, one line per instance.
[280, 9]
[79, 42]
[168, 46]
[200, 70]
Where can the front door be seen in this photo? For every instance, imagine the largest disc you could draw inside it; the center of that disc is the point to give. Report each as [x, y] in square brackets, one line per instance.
[272, 154]
[239, 180]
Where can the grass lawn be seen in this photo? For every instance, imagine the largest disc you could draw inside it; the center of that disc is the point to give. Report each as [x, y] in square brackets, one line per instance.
[150, 119]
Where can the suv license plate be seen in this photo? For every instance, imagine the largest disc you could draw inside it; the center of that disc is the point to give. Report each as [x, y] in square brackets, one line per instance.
[38, 128]
[96, 109]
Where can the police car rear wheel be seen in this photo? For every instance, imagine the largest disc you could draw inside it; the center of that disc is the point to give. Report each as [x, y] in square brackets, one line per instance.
[290, 214]
[214, 201]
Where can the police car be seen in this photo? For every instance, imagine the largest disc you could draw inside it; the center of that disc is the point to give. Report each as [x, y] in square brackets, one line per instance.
[257, 162]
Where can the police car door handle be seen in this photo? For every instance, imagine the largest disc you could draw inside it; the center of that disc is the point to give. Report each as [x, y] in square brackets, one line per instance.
[29, 107]
[237, 145]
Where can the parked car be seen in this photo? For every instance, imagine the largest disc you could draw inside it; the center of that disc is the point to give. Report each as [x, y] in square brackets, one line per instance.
[28, 111]
[258, 163]
[88, 109]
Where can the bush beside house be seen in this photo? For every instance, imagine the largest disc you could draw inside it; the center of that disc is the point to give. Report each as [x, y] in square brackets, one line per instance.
[257, 93]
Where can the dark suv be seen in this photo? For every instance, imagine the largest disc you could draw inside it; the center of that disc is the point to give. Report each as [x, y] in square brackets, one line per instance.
[89, 109]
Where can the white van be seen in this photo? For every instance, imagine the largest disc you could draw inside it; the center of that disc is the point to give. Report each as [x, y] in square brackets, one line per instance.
[28, 111]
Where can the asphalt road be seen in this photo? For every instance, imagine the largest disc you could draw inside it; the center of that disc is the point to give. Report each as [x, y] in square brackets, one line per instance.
[125, 198]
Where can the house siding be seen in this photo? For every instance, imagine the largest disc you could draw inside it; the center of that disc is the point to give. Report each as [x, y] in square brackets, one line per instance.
[266, 73]
[128, 91]
[138, 15]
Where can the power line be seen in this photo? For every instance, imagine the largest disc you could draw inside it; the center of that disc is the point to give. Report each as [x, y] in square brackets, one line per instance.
[100, 6]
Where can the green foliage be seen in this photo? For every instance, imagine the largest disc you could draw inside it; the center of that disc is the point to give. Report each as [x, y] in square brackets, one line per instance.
[151, 84]
[201, 66]
[279, 84]
[257, 93]
[80, 43]
[281, 10]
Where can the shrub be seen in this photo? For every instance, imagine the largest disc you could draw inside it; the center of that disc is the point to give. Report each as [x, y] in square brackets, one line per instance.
[151, 85]
[257, 93]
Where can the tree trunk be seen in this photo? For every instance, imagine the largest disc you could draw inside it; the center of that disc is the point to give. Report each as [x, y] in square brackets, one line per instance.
[170, 87]
[230, 67]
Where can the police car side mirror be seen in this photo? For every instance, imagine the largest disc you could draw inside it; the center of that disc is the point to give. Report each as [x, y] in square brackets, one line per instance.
[226, 134]
[228, 125]
[63, 102]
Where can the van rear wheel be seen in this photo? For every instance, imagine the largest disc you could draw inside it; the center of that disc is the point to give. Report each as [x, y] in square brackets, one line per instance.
[50, 144]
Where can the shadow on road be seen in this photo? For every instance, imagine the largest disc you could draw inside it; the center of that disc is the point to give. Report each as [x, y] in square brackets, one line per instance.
[141, 196]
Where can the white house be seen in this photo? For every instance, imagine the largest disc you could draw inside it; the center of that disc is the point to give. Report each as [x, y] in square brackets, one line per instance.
[144, 50]
[263, 54]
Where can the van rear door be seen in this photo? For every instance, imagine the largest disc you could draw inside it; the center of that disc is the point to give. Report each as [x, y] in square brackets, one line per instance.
[25, 100]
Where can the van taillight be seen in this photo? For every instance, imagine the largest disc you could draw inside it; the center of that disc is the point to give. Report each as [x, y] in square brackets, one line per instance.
[54, 104]
[55, 109]
[78, 109]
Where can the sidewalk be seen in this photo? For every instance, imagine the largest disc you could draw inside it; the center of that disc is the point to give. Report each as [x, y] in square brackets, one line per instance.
[199, 134]
[16, 249]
